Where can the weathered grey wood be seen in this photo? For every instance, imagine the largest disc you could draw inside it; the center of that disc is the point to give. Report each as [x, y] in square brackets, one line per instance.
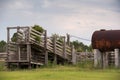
[17, 27]
[34, 34]
[19, 53]
[104, 60]
[68, 39]
[73, 55]
[97, 58]
[117, 53]
[18, 46]
[64, 48]
[61, 50]
[59, 46]
[54, 49]
[34, 31]
[45, 47]
[106, 57]
[26, 37]
[58, 42]
[8, 40]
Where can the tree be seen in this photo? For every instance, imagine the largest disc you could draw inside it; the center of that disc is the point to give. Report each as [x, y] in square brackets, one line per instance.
[58, 37]
[14, 37]
[2, 46]
[38, 28]
[80, 47]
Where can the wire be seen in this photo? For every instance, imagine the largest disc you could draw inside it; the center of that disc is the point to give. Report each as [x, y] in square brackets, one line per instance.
[80, 38]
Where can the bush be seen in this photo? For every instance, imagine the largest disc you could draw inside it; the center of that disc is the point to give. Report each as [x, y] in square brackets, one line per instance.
[38, 39]
[38, 28]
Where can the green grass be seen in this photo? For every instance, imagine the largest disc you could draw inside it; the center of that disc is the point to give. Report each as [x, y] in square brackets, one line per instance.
[61, 73]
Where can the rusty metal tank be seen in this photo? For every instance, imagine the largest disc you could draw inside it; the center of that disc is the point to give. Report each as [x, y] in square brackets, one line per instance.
[106, 40]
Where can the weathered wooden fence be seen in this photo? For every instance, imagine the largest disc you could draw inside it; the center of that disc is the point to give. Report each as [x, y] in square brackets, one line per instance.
[33, 47]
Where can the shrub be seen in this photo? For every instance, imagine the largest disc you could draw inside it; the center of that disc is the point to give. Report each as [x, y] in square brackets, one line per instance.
[38, 28]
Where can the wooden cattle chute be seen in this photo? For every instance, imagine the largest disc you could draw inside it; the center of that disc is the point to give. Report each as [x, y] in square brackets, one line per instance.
[27, 51]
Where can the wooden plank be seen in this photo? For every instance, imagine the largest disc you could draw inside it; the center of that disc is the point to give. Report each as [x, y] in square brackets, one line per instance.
[49, 41]
[38, 63]
[59, 49]
[59, 46]
[32, 33]
[50, 47]
[60, 43]
[69, 51]
[17, 27]
[68, 47]
[58, 53]
[35, 31]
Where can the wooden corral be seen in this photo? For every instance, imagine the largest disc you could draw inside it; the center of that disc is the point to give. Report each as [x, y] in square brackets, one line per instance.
[84, 56]
[27, 51]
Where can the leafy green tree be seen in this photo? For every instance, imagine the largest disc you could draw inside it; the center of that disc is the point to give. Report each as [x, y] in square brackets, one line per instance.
[14, 37]
[2, 46]
[59, 38]
[38, 28]
[80, 47]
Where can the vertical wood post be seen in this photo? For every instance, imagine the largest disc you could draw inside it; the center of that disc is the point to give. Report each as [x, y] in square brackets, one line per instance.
[73, 55]
[29, 48]
[64, 48]
[117, 58]
[8, 39]
[97, 58]
[7, 50]
[68, 39]
[104, 60]
[54, 49]
[18, 45]
[106, 57]
[45, 47]
[29, 54]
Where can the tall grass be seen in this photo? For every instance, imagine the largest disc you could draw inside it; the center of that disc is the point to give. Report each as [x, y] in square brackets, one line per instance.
[2, 66]
[60, 72]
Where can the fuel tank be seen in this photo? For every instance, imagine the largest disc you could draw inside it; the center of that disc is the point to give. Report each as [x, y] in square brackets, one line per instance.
[106, 40]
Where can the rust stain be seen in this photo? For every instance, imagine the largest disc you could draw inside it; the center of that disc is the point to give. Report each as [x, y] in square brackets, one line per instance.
[106, 40]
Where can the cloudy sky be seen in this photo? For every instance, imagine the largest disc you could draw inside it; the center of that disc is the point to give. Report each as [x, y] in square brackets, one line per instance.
[76, 17]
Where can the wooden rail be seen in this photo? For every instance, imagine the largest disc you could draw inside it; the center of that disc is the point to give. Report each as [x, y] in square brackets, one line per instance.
[27, 48]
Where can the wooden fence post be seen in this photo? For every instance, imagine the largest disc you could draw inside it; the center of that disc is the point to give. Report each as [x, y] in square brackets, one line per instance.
[117, 58]
[98, 58]
[73, 55]
[68, 39]
[54, 49]
[45, 48]
[18, 46]
[64, 48]
[29, 48]
[7, 50]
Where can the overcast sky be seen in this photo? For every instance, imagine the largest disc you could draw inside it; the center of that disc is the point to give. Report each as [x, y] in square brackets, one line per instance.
[76, 17]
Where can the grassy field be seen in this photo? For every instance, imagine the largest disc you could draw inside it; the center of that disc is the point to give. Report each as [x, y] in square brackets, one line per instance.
[61, 73]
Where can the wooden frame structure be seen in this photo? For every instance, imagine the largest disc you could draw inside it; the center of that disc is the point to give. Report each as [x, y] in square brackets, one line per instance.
[27, 51]
[107, 58]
